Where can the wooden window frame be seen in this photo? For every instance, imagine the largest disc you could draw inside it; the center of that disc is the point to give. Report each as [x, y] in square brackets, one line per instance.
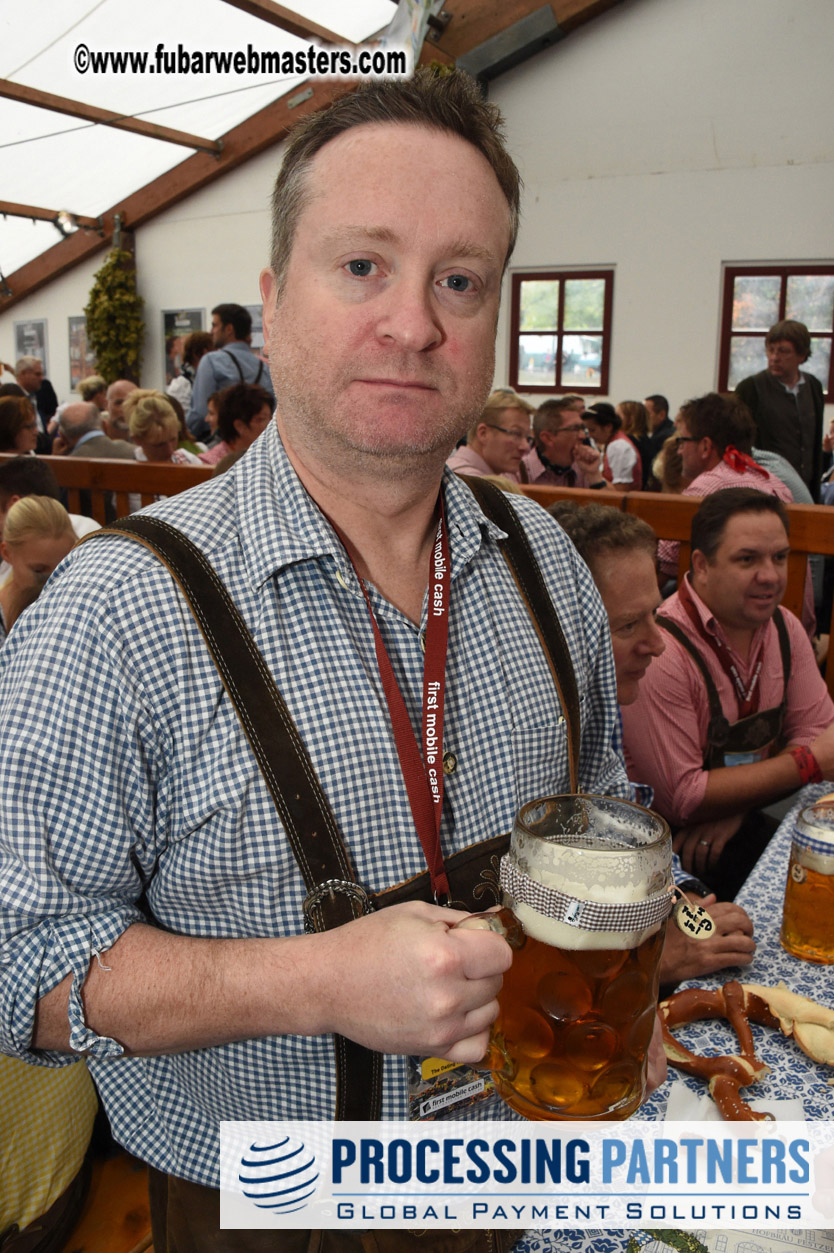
[783, 272]
[524, 276]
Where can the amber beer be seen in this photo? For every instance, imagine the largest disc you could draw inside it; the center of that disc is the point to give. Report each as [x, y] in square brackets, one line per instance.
[808, 918]
[577, 1008]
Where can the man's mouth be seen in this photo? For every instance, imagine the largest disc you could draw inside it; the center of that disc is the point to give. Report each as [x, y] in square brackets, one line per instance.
[405, 383]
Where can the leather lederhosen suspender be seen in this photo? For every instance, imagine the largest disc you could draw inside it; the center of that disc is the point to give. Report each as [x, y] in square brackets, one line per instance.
[747, 735]
[333, 894]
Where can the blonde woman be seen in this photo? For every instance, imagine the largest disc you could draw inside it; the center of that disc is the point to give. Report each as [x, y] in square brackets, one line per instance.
[37, 535]
[155, 429]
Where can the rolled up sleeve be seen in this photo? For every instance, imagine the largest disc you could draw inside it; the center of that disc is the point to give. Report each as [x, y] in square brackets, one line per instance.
[81, 808]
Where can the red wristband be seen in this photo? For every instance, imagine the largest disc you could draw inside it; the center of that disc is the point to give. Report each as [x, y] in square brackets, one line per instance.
[807, 765]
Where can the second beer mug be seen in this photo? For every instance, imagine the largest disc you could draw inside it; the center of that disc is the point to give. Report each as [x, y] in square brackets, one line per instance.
[808, 920]
[588, 878]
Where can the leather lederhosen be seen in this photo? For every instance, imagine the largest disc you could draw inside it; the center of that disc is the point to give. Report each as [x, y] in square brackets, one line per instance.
[759, 733]
[334, 895]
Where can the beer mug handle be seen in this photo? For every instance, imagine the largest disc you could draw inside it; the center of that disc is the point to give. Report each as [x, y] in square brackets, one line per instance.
[503, 922]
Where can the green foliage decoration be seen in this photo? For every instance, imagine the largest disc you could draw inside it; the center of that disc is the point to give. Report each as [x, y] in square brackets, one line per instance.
[115, 329]
[680, 1241]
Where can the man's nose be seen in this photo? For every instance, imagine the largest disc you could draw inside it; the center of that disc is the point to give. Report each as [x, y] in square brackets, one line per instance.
[769, 571]
[654, 643]
[409, 315]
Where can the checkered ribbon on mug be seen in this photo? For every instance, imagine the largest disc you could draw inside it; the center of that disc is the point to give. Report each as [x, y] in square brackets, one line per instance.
[589, 915]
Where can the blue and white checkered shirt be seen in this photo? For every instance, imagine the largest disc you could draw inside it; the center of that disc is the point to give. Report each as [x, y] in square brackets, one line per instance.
[124, 767]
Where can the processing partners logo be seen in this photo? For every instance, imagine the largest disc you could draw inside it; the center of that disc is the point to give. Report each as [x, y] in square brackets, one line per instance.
[438, 1175]
[279, 1177]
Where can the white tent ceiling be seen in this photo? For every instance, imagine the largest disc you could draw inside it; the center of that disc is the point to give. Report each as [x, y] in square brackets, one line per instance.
[54, 161]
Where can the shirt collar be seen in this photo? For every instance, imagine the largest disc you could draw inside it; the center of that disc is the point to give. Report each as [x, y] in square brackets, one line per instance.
[280, 523]
[84, 438]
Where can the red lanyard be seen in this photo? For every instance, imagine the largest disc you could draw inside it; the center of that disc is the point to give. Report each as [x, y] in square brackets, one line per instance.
[424, 783]
[748, 696]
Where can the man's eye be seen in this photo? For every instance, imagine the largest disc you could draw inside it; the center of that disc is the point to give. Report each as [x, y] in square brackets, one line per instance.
[361, 267]
[457, 282]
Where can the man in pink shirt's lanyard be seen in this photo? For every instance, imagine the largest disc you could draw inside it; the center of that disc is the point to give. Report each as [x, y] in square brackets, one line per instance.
[734, 714]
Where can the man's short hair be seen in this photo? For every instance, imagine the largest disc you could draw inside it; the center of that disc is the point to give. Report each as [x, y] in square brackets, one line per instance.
[550, 415]
[598, 531]
[27, 476]
[499, 400]
[725, 420]
[660, 403]
[795, 333]
[241, 402]
[74, 430]
[27, 363]
[435, 100]
[709, 523]
[237, 317]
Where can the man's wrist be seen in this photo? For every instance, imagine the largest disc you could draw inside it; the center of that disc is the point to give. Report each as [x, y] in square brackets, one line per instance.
[807, 764]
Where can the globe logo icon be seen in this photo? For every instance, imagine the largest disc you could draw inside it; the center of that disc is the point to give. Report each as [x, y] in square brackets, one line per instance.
[280, 1177]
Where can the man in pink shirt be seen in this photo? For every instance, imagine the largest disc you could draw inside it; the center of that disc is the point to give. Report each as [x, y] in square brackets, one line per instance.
[498, 440]
[734, 714]
[558, 457]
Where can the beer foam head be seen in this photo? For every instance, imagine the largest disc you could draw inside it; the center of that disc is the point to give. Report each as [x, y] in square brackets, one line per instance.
[593, 848]
[813, 843]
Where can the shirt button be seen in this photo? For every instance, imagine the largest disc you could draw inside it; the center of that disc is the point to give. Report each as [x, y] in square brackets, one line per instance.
[450, 762]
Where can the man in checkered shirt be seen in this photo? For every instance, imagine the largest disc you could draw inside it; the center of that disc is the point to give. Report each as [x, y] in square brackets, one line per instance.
[125, 771]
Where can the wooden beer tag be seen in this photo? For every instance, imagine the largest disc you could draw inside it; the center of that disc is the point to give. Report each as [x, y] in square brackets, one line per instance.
[693, 920]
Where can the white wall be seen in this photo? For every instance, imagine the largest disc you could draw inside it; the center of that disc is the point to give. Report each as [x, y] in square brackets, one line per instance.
[209, 248]
[664, 138]
[668, 139]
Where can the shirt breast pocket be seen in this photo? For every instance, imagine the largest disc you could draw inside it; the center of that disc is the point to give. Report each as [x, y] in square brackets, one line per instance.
[540, 760]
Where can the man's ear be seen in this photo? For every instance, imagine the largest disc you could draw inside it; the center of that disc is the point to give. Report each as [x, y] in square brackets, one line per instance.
[699, 562]
[269, 290]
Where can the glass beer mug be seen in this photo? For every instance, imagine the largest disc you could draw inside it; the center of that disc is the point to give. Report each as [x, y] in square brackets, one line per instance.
[587, 891]
[808, 918]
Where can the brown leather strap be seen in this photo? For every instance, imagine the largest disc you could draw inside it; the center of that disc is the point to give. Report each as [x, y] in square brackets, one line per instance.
[290, 776]
[525, 570]
[334, 896]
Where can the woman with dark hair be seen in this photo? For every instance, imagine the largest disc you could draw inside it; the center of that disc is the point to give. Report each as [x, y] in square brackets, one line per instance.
[196, 345]
[18, 425]
[621, 464]
[243, 413]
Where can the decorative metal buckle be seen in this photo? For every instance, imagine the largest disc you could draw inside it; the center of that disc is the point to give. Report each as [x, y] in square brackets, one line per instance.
[329, 888]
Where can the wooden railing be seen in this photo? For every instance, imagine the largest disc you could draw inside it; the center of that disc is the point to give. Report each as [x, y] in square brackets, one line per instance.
[89, 484]
[812, 526]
